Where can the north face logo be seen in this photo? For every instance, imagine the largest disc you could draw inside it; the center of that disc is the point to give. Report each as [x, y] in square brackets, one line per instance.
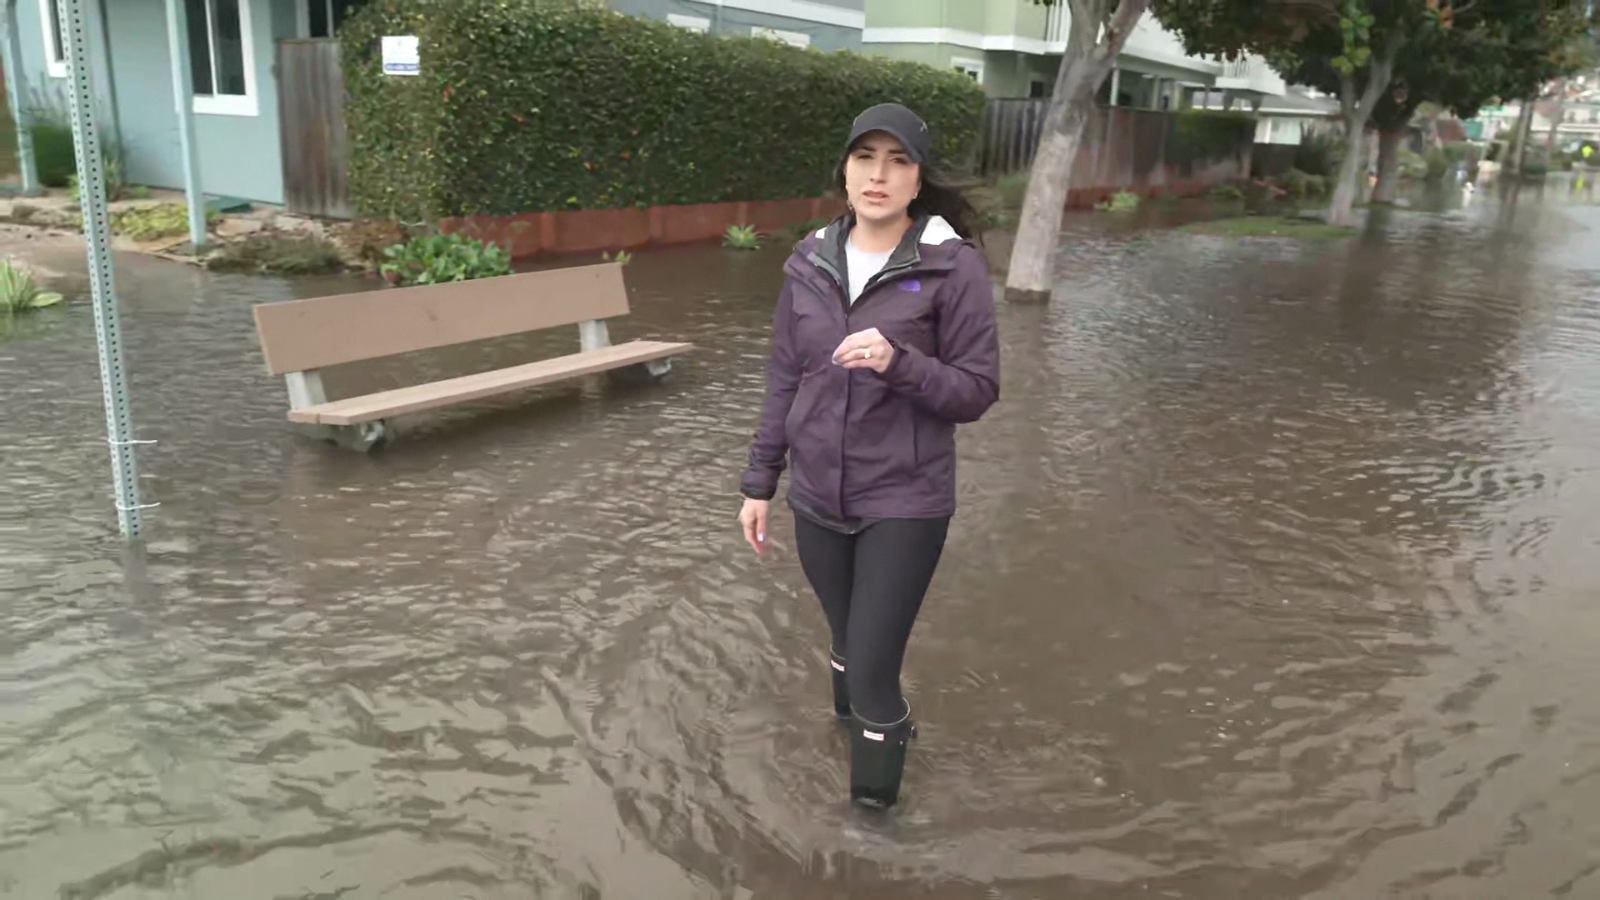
[911, 284]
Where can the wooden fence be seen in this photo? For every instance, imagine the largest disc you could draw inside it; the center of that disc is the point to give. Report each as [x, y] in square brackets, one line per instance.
[311, 111]
[1010, 135]
[1122, 149]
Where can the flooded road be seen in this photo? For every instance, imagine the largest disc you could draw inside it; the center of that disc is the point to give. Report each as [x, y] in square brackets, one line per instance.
[1276, 577]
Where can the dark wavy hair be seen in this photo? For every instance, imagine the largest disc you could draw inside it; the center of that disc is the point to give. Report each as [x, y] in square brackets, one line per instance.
[944, 193]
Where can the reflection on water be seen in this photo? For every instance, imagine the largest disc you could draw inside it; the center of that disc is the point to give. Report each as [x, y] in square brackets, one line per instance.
[1272, 579]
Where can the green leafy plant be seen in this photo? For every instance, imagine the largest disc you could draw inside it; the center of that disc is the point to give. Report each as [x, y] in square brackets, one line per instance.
[437, 258]
[1226, 193]
[161, 220]
[525, 108]
[18, 292]
[1356, 24]
[742, 237]
[1121, 201]
[622, 256]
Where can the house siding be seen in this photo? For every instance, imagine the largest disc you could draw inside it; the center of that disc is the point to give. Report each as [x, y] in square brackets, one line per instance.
[239, 155]
[48, 92]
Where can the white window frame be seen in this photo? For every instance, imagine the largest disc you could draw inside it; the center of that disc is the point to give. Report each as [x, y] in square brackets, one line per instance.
[968, 65]
[246, 104]
[792, 38]
[302, 15]
[57, 67]
[692, 23]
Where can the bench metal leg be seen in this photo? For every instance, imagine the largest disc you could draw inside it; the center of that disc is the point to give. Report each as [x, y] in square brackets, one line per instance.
[305, 389]
[593, 335]
[643, 373]
[361, 437]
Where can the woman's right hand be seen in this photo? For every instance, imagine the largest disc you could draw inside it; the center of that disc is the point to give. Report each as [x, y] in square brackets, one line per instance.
[753, 519]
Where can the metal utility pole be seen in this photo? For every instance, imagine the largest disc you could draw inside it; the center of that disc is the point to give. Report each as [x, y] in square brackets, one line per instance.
[97, 233]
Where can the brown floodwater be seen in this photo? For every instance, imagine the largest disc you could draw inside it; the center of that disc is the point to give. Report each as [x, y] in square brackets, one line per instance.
[1276, 576]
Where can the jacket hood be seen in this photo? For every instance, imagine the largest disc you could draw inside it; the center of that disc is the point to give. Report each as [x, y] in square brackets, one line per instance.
[929, 245]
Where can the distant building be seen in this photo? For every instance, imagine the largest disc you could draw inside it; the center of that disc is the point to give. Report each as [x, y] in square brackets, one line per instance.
[1012, 48]
[1286, 118]
[823, 24]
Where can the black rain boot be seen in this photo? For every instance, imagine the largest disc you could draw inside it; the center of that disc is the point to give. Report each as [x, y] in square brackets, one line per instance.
[841, 692]
[877, 759]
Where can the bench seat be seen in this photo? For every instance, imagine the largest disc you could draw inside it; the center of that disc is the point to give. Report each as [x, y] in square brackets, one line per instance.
[386, 404]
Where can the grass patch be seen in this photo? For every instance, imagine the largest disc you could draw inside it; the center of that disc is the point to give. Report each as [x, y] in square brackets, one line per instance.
[148, 223]
[278, 255]
[1272, 226]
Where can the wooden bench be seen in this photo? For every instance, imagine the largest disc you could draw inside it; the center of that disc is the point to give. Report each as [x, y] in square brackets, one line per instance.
[299, 337]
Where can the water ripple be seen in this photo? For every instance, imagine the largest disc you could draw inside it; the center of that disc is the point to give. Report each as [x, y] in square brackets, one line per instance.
[1269, 582]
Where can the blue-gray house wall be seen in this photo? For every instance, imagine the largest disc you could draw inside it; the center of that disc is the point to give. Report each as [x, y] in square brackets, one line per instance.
[239, 155]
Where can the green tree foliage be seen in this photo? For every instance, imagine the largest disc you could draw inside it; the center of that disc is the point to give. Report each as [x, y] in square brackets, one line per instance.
[521, 107]
[1384, 57]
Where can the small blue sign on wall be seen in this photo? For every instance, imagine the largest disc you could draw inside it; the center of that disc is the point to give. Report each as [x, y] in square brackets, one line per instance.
[401, 55]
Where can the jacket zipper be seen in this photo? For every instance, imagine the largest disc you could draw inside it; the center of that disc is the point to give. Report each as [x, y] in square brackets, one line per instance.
[844, 300]
[844, 297]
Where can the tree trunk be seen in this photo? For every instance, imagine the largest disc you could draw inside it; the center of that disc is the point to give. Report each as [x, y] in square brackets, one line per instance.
[1389, 140]
[1555, 120]
[1033, 254]
[1357, 112]
[1085, 64]
[1519, 146]
[1350, 171]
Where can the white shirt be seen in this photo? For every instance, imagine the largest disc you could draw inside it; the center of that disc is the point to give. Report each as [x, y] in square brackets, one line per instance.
[861, 266]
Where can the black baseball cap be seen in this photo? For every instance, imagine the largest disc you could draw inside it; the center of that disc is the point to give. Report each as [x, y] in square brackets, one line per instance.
[904, 125]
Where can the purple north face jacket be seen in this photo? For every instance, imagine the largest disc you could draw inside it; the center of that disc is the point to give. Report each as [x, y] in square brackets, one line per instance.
[860, 445]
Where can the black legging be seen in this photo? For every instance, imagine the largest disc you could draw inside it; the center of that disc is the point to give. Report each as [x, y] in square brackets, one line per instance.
[871, 585]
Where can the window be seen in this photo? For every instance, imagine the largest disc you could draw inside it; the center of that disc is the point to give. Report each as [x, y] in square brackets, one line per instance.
[324, 18]
[55, 48]
[793, 38]
[972, 67]
[693, 23]
[221, 59]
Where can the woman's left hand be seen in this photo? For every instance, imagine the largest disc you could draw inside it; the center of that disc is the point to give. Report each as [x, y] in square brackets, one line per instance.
[865, 350]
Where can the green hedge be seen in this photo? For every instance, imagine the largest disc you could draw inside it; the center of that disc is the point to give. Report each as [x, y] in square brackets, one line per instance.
[1202, 136]
[521, 108]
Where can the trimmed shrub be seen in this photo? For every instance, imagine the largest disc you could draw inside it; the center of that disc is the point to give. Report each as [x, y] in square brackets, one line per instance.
[1202, 136]
[1320, 153]
[521, 108]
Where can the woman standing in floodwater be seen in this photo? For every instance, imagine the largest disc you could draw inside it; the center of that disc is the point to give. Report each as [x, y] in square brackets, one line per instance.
[884, 340]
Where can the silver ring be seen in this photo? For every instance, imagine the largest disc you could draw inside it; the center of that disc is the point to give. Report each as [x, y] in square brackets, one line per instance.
[866, 352]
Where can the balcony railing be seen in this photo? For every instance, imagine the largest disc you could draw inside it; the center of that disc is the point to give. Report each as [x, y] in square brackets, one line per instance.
[1055, 24]
[1250, 73]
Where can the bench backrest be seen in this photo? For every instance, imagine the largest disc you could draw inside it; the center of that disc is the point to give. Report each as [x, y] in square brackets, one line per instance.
[301, 335]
